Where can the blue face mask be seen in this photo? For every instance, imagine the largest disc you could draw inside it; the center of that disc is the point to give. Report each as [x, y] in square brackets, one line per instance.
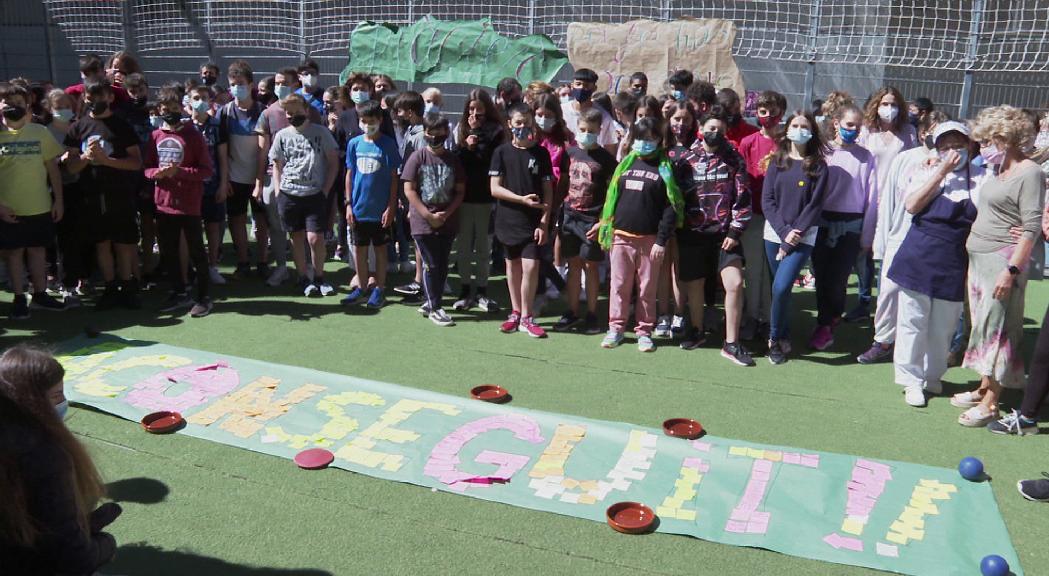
[644, 147]
[240, 91]
[62, 409]
[848, 136]
[200, 106]
[799, 135]
[963, 158]
[586, 139]
[281, 92]
[64, 114]
[678, 95]
[431, 108]
[360, 96]
[521, 132]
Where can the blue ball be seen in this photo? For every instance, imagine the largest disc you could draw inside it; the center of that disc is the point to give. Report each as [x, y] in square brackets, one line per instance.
[994, 565]
[971, 468]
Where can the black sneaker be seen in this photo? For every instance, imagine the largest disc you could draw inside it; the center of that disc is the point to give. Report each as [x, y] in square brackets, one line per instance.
[410, 289]
[109, 298]
[45, 301]
[566, 322]
[1035, 490]
[735, 352]
[776, 354]
[1015, 424]
[176, 301]
[693, 339]
[129, 297]
[20, 310]
[262, 270]
[590, 325]
[242, 271]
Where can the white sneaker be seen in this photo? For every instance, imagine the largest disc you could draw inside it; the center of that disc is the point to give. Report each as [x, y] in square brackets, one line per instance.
[278, 276]
[914, 396]
[326, 289]
[424, 310]
[464, 303]
[486, 304]
[441, 318]
[214, 276]
[677, 324]
[662, 327]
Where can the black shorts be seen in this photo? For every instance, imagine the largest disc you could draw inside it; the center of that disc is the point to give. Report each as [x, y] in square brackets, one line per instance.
[111, 216]
[528, 250]
[700, 257]
[298, 213]
[34, 231]
[573, 238]
[240, 197]
[212, 212]
[369, 234]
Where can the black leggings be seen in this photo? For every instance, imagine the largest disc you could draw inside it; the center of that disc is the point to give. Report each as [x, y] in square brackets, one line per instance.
[1038, 379]
[169, 229]
[831, 266]
[436, 250]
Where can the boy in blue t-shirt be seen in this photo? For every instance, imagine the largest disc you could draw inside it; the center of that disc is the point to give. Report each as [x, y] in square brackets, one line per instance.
[372, 162]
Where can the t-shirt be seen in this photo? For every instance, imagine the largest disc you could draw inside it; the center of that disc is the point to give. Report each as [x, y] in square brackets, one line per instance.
[523, 171]
[210, 131]
[59, 134]
[23, 153]
[476, 162]
[588, 174]
[435, 178]
[273, 120]
[1016, 201]
[740, 130]
[757, 150]
[374, 165]
[412, 139]
[643, 208]
[304, 157]
[607, 136]
[237, 131]
[115, 136]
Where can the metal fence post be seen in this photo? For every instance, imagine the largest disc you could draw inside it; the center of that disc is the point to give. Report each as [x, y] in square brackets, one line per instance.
[129, 27]
[49, 38]
[303, 47]
[965, 106]
[810, 70]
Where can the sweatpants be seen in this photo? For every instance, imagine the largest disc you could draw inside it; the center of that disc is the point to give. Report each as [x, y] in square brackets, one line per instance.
[473, 245]
[170, 228]
[435, 250]
[888, 305]
[832, 265]
[632, 263]
[923, 336]
[278, 237]
[757, 276]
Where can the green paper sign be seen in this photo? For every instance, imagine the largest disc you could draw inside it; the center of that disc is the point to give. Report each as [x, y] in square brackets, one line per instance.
[457, 51]
[894, 516]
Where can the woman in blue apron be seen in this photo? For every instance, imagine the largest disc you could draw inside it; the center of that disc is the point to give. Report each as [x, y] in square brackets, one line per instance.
[931, 264]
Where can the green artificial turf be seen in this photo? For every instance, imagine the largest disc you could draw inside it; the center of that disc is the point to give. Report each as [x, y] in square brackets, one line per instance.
[198, 508]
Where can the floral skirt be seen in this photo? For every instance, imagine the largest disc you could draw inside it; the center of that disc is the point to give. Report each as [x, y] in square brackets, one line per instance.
[996, 342]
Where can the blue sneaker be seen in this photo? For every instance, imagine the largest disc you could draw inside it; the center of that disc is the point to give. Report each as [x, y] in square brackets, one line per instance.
[376, 300]
[352, 297]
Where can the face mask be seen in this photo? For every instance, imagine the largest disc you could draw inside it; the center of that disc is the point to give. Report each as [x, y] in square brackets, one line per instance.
[431, 108]
[521, 133]
[307, 80]
[546, 123]
[963, 158]
[155, 121]
[99, 108]
[848, 136]
[369, 129]
[586, 139]
[888, 113]
[297, 120]
[768, 121]
[14, 113]
[912, 118]
[61, 409]
[799, 135]
[677, 129]
[638, 92]
[565, 101]
[208, 80]
[240, 91]
[678, 95]
[282, 92]
[64, 114]
[185, 101]
[581, 94]
[435, 141]
[714, 139]
[992, 155]
[201, 106]
[821, 119]
[644, 147]
[360, 96]
[172, 119]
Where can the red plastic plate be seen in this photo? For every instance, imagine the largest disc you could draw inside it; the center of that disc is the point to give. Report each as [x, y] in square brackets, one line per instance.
[491, 393]
[683, 428]
[162, 422]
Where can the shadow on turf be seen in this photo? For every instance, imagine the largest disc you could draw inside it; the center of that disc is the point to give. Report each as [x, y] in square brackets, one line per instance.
[140, 558]
[137, 490]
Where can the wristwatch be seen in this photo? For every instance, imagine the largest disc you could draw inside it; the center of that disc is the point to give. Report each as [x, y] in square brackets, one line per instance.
[1013, 270]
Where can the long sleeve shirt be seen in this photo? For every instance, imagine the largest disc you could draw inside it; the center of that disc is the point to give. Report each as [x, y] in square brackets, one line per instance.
[792, 199]
[716, 189]
[852, 187]
[643, 208]
[179, 194]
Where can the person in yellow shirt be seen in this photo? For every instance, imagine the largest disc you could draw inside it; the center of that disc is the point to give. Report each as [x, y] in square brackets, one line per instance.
[28, 209]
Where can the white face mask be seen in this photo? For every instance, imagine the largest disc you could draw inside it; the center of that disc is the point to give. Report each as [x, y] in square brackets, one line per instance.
[308, 80]
[888, 112]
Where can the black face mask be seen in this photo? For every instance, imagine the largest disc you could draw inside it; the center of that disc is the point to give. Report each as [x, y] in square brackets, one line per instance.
[929, 142]
[14, 113]
[208, 80]
[172, 118]
[297, 120]
[435, 141]
[99, 108]
[715, 139]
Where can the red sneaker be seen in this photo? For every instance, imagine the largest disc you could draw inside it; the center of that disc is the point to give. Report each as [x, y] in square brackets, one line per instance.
[511, 324]
[531, 328]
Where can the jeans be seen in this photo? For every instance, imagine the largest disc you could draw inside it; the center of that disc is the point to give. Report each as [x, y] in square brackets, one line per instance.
[784, 272]
[435, 250]
[865, 278]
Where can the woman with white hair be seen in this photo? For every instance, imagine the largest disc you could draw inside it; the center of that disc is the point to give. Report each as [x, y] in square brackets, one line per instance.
[1011, 197]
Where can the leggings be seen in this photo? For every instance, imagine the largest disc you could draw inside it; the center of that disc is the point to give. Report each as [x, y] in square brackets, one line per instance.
[1038, 377]
[832, 265]
[169, 228]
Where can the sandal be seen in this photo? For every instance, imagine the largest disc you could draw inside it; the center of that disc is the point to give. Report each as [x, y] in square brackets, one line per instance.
[977, 417]
[966, 399]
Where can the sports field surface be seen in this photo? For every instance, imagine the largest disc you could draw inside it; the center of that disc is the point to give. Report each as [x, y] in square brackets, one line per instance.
[198, 508]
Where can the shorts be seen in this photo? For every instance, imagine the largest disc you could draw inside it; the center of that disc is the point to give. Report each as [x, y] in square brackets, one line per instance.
[34, 231]
[528, 250]
[111, 216]
[298, 213]
[212, 212]
[574, 241]
[240, 197]
[700, 257]
[369, 234]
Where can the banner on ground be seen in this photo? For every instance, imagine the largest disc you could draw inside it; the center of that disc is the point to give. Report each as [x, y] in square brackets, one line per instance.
[454, 51]
[615, 51]
[894, 516]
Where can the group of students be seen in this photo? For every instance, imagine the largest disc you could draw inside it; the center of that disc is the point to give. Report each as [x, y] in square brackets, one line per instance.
[676, 197]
